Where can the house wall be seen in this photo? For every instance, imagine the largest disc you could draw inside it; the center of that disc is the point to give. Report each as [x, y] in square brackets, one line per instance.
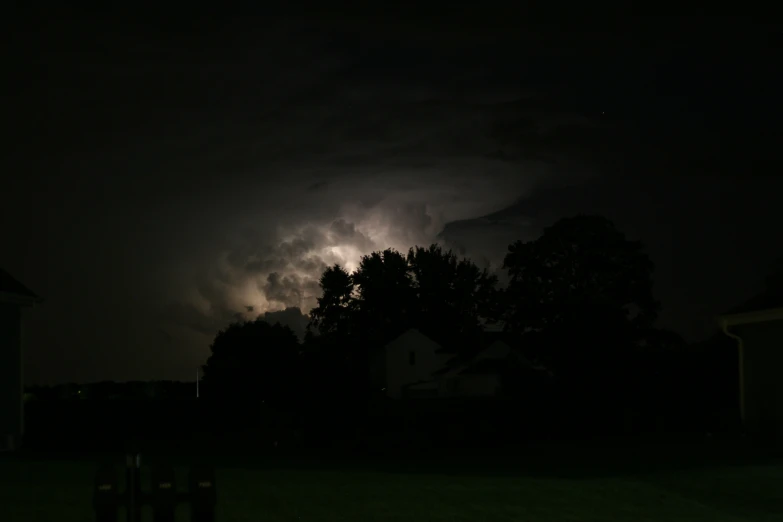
[400, 371]
[763, 375]
[11, 386]
[477, 385]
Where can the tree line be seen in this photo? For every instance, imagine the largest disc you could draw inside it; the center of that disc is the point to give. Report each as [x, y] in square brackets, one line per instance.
[579, 301]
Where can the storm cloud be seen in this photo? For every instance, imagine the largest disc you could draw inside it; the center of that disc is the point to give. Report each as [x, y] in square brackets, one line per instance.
[218, 172]
[352, 159]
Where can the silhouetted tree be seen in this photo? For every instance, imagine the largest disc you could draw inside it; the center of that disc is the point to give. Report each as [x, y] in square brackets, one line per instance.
[585, 293]
[430, 289]
[332, 315]
[579, 264]
[385, 300]
[455, 299]
[330, 338]
[357, 314]
[251, 362]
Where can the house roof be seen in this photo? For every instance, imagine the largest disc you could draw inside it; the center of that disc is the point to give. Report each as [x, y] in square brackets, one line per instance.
[490, 336]
[715, 342]
[497, 350]
[12, 289]
[422, 385]
[413, 335]
[764, 301]
[492, 360]
[485, 367]
[762, 308]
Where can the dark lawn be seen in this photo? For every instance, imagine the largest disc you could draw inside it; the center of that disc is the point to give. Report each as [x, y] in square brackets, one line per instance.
[59, 490]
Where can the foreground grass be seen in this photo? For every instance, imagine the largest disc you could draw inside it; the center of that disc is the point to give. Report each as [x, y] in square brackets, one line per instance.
[60, 491]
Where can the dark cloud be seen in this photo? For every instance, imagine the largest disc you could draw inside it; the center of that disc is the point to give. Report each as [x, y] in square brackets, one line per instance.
[206, 322]
[343, 231]
[186, 165]
[318, 185]
[291, 317]
[243, 167]
[285, 290]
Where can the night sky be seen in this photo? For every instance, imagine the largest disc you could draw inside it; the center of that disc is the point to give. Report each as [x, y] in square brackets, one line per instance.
[163, 176]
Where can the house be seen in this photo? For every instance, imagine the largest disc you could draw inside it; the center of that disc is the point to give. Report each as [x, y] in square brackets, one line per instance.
[482, 375]
[757, 328]
[411, 360]
[14, 296]
[417, 366]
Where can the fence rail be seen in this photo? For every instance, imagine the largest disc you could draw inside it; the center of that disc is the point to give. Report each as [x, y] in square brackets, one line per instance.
[163, 496]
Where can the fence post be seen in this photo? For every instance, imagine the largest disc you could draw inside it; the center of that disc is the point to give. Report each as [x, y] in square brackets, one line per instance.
[105, 495]
[203, 494]
[164, 493]
[133, 487]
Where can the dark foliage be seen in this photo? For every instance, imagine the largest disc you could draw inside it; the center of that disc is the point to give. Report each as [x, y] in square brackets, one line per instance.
[578, 313]
[252, 362]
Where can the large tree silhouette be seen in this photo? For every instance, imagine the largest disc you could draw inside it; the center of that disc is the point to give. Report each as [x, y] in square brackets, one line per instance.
[455, 299]
[389, 292]
[251, 362]
[329, 351]
[385, 300]
[584, 292]
[431, 289]
[357, 314]
[332, 315]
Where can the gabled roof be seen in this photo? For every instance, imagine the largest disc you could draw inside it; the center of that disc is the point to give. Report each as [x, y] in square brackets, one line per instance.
[413, 335]
[498, 349]
[11, 290]
[492, 360]
[422, 385]
[716, 341]
[764, 307]
[485, 367]
[765, 301]
[490, 336]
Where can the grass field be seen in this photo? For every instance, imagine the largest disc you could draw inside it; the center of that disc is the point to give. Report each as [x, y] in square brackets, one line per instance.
[56, 490]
